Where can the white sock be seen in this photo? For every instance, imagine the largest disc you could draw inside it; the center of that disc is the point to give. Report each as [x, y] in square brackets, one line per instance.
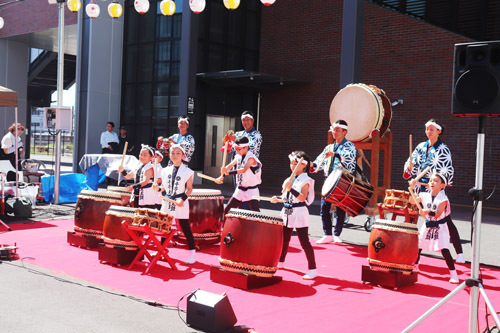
[192, 256]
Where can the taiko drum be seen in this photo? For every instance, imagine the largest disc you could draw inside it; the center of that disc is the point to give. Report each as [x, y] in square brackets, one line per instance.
[114, 235]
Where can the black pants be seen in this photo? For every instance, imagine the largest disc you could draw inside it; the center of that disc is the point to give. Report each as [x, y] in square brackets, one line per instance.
[186, 230]
[454, 236]
[234, 203]
[303, 234]
[447, 257]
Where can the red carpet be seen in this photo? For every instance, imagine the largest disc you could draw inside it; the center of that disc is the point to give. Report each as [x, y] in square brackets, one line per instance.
[336, 301]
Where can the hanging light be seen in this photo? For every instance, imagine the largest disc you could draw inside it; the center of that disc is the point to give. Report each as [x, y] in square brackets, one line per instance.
[231, 4]
[268, 2]
[197, 6]
[115, 10]
[141, 6]
[167, 7]
[93, 10]
[1, 22]
[74, 5]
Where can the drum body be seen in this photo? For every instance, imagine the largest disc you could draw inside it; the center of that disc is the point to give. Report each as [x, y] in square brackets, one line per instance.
[91, 209]
[364, 108]
[393, 246]
[206, 215]
[251, 243]
[126, 195]
[398, 199]
[114, 235]
[156, 220]
[347, 192]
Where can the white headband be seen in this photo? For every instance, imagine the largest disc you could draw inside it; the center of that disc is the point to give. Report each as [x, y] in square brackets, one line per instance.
[241, 145]
[182, 119]
[176, 145]
[443, 178]
[338, 125]
[143, 146]
[427, 124]
[295, 158]
[246, 116]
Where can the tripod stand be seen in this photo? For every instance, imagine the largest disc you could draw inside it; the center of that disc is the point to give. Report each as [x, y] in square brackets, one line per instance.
[473, 282]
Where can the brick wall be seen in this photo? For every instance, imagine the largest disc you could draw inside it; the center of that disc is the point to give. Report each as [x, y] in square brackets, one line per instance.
[408, 58]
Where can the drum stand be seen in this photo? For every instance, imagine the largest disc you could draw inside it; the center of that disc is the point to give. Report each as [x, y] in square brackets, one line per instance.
[473, 282]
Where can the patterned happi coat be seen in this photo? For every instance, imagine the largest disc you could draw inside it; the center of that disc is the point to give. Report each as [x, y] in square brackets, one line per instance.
[255, 140]
[186, 141]
[347, 152]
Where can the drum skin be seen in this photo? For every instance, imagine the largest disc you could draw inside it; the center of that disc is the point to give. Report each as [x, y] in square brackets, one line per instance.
[393, 246]
[90, 211]
[113, 232]
[249, 245]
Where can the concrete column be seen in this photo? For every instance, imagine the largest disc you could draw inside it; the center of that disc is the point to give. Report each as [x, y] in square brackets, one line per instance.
[352, 38]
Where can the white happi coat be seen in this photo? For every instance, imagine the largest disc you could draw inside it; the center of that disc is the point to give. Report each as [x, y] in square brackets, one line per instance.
[250, 178]
[434, 238]
[299, 217]
[175, 187]
[147, 196]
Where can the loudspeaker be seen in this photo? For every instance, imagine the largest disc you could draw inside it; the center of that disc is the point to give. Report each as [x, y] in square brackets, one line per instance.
[209, 312]
[476, 79]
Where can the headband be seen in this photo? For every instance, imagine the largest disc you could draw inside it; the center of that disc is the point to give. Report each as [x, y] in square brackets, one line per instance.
[443, 178]
[182, 119]
[159, 153]
[246, 116]
[339, 125]
[295, 158]
[241, 145]
[433, 123]
[178, 146]
[143, 146]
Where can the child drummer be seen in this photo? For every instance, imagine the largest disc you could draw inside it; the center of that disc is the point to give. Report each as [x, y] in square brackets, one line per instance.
[248, 176]
[177, 185]
[434, 235]
[299, 193]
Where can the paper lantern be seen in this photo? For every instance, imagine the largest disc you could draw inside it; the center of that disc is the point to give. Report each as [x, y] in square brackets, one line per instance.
[115, 10]
[231, 4]
[268, 2]
[197, 6]
[167, 7]
[93, 10]
[74, 5]
[141, 6]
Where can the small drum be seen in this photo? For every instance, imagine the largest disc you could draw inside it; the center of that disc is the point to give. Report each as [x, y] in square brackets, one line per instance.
[347, 192]
[114, 235]
[206, 215]
[398, 200]
[156, 220]
[126, 195]
[251, 242]
[393, 246]
[91, 209]
[364, 108]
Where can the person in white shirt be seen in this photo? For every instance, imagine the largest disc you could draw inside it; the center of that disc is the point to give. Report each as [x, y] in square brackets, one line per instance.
[109, 140]
[9, 148]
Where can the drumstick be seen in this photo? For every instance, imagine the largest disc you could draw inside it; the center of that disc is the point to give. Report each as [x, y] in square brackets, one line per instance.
[168, 200]
[294, 172]
[207, 177]
[124, 152]
[411, 147]
[415, 199]
[155, 171]
[320, 164]
[267, 199]
[422, 173]
[225, 154]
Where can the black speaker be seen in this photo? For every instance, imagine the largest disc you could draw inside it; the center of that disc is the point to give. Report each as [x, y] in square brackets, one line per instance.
[209, 312]
[476, 79]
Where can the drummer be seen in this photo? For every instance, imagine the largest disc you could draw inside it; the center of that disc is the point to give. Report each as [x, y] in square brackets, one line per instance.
[143, 194]
[183, 138]
[341, 152]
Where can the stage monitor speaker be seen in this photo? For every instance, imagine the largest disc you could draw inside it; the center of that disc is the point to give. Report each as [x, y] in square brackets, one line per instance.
[476, 79]
[209, 312]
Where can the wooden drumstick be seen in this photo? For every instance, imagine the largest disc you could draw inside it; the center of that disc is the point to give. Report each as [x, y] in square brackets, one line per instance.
[206, 177]
[320, 164]
[225, 154]
[411, 147]
[155, 171]
[294, 172]
[422, 173]
[267, 199]
[124, 152]
[415, 199]
[168, 200]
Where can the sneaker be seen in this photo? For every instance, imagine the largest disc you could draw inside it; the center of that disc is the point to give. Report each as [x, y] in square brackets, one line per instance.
[281, 264]
[325, 239]
[190, 261]
[460, 259]
[192, 257]
[454, 277]
[336, 239]
[311, 275]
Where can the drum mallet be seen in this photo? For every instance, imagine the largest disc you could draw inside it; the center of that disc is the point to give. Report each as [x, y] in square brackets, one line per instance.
[267, 199]
[207, 177]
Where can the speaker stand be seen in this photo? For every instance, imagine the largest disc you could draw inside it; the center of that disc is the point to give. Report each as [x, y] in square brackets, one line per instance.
[241, 280]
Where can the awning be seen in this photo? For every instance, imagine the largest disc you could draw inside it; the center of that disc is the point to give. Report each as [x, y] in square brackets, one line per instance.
[7, 97]
[246, 79]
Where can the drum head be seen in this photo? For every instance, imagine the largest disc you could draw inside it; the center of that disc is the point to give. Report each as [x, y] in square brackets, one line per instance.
[331, 182]
[361, 107]
[205, 192]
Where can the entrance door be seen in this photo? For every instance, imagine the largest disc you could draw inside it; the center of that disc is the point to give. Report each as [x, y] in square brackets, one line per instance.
[217, 127]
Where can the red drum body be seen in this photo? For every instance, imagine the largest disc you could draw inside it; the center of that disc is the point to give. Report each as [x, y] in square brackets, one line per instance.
[114, 235]
[251, 243]
[156, 220]
[364, 108]
[346, 192]
[393, 246]
[126, 195]
[206, 215]
[91, 209]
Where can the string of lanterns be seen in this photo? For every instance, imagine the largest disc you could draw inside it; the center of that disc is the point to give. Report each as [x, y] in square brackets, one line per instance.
[167, 7]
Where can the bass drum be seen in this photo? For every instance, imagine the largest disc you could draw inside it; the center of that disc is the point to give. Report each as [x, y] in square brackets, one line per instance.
[364, 108]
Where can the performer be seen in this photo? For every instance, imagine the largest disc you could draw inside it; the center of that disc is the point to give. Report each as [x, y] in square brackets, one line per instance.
[433, 235]
[183, 138]
[109, 140]
[143, 194]
[437, 155]
[177, 184]
[299, 193]
[248, 176]
[340, 152]
[9, 147]
[254, 136]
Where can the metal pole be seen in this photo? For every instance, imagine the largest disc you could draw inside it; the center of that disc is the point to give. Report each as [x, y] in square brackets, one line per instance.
[16, 153]
[60, 87]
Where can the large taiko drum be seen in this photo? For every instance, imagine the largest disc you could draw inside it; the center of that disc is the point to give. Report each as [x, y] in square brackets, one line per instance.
[155, 219]
[347, 192]
[206, 215]
[251, 242]
[91, 209]
[114, 235]
[126, 195]
[364, 108]
[393, 246]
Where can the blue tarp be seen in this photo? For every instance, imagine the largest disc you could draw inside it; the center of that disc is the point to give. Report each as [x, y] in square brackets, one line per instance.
[70, 185]
[94, 177]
